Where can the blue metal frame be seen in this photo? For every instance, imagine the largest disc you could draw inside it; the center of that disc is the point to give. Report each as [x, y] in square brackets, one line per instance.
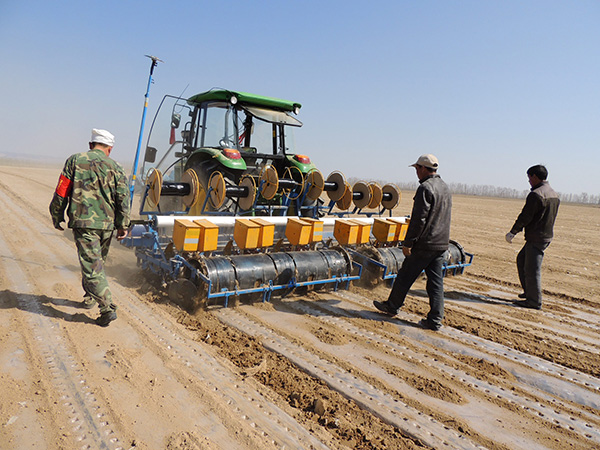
[151, 256]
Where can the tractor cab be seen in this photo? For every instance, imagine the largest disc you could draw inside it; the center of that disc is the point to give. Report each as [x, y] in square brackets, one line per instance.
[233, 133]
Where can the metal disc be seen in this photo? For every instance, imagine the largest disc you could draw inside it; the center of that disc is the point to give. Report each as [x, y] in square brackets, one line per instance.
[361, 194]
[317, 183]
[154, 181]
[246, 202]
[190, 177]
[218, 189]
[339, 180]
[377, 195]
[293, 173]
[183, 292]
[345, 202]
[269, 182]
[391, 196]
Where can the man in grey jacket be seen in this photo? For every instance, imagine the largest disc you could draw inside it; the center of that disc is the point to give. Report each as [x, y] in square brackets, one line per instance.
[425, 244]
[537, 217]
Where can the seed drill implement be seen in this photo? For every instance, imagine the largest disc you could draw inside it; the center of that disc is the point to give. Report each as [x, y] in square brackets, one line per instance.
[228, 208]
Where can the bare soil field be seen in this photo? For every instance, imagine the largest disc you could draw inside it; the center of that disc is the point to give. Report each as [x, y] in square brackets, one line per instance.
[319, 371]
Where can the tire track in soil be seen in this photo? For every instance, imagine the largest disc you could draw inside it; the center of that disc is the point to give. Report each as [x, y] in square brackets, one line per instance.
[264, 424]
[78, 404]
[412, 422]
[536, 398]
[540, 412]
[432, 352]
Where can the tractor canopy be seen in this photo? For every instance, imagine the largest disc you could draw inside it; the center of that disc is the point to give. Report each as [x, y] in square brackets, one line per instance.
[244, 99]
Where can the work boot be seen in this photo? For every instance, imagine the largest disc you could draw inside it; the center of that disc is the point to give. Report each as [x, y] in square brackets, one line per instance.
[385, 308]
[106, 318]
[88, 302]
[526, 304]
[425, 323]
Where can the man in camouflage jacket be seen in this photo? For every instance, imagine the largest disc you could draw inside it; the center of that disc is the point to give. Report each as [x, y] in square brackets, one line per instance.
[93, 189]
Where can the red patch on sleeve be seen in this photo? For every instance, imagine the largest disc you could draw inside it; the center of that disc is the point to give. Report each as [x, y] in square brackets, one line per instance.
[64, 186]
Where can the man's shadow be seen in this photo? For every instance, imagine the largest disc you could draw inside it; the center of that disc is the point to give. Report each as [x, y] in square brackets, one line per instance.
[43, 305]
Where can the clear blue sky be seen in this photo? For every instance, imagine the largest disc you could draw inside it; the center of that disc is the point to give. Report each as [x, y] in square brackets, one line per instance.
[490, 87]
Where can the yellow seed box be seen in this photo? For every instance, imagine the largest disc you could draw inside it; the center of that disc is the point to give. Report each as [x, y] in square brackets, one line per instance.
[266, 233]
[345, 231]
[364, 231]
[400, 229]
[384, 230]
[316, 229]
[298, 231]
[246, 233]
[185, 235]
[209, 235]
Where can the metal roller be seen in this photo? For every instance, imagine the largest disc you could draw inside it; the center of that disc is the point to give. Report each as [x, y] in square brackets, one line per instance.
[285, 269]
[170, 188]
[393, 258]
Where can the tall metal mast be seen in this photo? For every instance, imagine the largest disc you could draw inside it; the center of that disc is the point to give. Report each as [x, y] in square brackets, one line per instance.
[155, 62]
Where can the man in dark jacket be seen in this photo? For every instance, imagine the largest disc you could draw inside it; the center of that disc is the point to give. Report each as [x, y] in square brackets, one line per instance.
[425, 244]
[537, 217]
[94, 191]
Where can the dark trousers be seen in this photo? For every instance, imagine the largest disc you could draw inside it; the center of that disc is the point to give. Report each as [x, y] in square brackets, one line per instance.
[431, 262]
[529, 266]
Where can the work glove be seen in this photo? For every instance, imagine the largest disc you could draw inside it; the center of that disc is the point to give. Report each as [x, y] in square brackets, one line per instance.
[509, 237]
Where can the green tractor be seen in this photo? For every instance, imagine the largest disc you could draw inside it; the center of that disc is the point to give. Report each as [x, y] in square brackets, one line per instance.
[236, 147]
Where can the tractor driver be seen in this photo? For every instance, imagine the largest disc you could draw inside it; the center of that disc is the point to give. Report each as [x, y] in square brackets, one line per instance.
[94, 190]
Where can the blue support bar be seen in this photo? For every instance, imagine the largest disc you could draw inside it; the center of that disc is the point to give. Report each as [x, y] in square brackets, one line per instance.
[155, 61]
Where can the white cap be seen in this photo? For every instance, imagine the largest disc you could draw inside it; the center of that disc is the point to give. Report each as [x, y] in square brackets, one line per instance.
[103, 137]
[428, 161]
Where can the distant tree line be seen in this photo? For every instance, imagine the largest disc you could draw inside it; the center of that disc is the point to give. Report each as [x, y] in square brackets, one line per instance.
[494, 191]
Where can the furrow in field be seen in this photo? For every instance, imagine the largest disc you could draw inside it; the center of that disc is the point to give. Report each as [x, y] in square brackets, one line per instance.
[264, 424]
[90, 426]
[410, 420]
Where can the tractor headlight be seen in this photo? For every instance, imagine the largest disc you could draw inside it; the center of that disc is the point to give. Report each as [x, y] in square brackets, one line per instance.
[233, 100]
